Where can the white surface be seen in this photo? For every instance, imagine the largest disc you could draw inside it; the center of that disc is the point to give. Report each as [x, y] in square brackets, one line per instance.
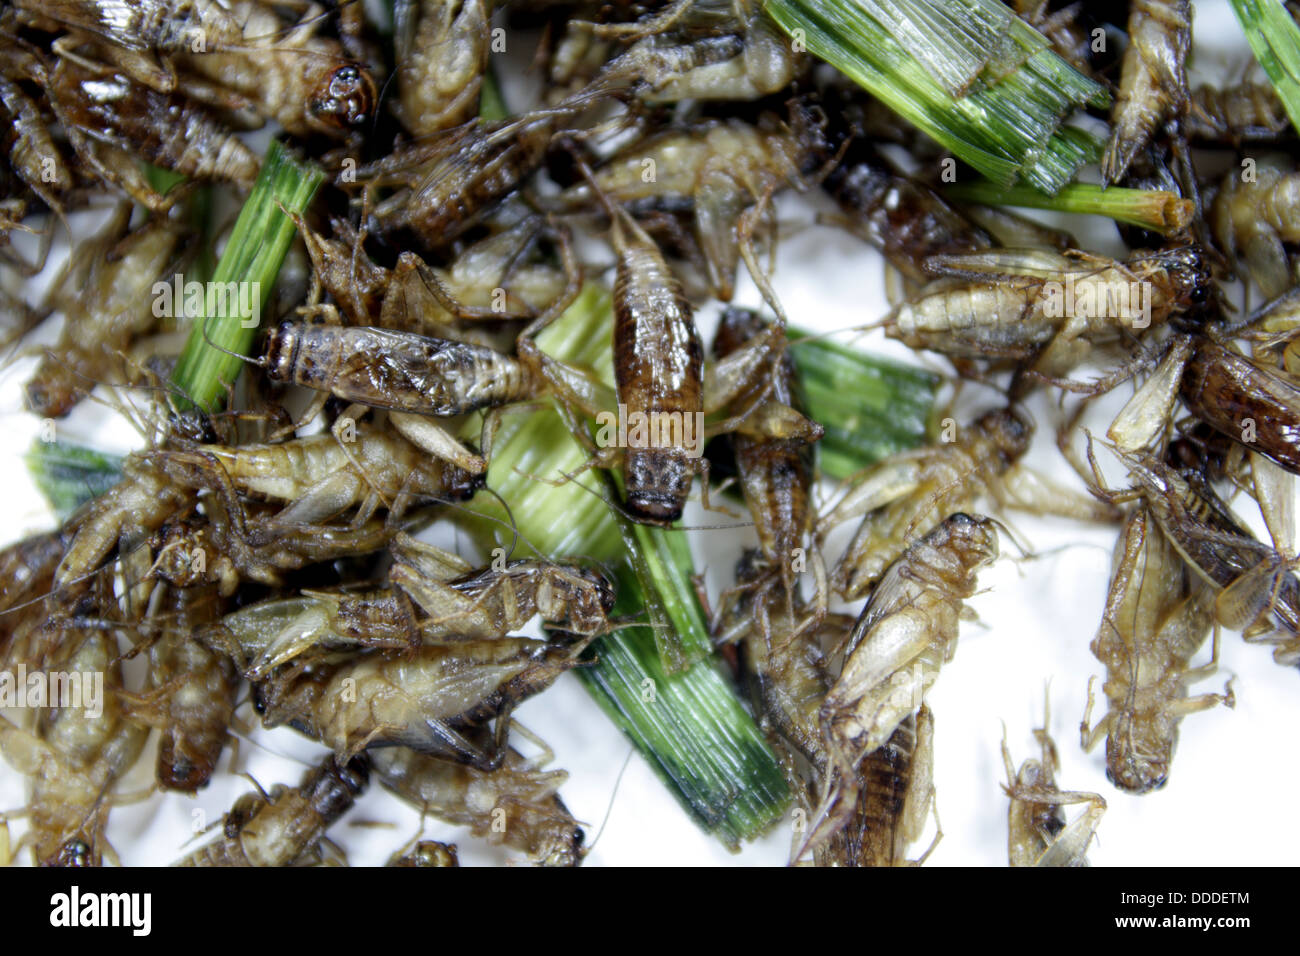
[1233, 771]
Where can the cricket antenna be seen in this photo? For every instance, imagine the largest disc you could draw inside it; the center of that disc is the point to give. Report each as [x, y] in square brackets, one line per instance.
[203, 330]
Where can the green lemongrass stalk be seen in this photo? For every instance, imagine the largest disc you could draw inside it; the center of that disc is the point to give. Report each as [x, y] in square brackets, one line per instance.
[662, 567]
[1007, 127]
[953, 40]
[870, 407]
[247, 269]
[1153, 209]
[1274, 37]
[687, 723]
[1068, 151]
[69, 475]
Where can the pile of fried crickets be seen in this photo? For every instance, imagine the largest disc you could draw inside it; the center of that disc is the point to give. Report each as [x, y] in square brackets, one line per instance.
[266, 549]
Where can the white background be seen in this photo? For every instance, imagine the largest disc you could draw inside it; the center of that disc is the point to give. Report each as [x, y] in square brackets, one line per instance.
[1231, 782]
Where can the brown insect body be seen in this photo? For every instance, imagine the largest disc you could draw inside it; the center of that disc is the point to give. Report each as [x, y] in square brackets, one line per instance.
[1047, 307]
[102, 109]
[920, 488]
[427, 853]
[402, 371]
[1153, 80]
[775, 474]
[1157, 617]
[516, 804]
[436, 700]
[896, 782]
[452, 184]
[285, 827]
[1253, 220]
[905, 219]
[1210, 538]
[75, 756]
[442, 54]
[658, 371]
[190, 693]
[1246, 113]
[291, 74]
[26, 574]
[106, 295]
[1038, 832]
[905, 634]
[1238, 396]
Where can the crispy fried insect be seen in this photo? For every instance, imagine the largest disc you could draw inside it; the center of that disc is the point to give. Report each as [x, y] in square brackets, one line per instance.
[490, 282]
[426, 853]
[436, 699]
[1046, 308]
[26, 575]
[907, 631]
[286, 826]
[1157, 617]
[442, 52]
[1256, 590]
[780, 656]
[81, 746]
[743, 57]
[896, 795]
[190, 691]
[242, 541]
[903, 218]
[292, 75]
[450, 183]
[29, 147]
[1153, 80]
[110, 119]
[402, 371]
[775, 474]
[239, 56]
[139, 504]
[425, 605]
[910, 493]
[1244, 400]
[342, 268]
[1246, 113]
[106, 297]
[717, 169]
[323, 475]
[658, 369]
[136, 35]
[781, 660]
[1037, 831]
[1252, 220]
[658, 372]
[516, 804]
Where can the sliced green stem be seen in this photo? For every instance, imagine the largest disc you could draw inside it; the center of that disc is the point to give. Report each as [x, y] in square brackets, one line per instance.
[1007, 123]
[242, 281]
[69, 475]
[870, 407]
[1153, 209]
